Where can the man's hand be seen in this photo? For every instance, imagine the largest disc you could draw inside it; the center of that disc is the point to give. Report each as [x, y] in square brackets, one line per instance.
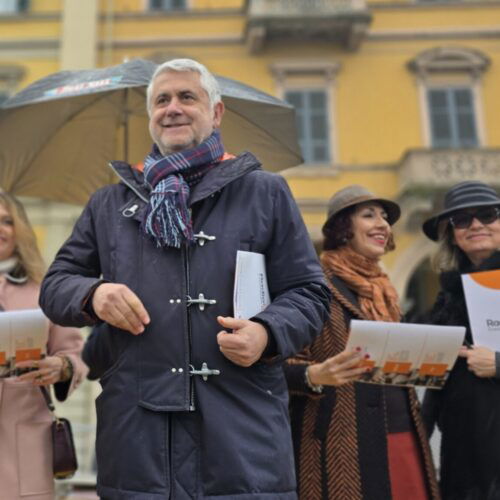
[480, 361]
[337, 370]
[247, 342]
[117, 305]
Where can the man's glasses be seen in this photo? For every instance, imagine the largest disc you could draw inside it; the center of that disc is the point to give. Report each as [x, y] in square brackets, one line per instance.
[486, 215]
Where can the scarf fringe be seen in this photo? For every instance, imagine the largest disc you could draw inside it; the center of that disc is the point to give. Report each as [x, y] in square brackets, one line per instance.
[168, 217]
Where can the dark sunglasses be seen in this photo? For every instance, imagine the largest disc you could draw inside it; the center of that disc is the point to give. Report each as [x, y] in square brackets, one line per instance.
[486, 215]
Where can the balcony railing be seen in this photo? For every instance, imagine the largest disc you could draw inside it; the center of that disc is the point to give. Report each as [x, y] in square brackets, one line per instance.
[344, 21]
[428, 169]
[425, 175]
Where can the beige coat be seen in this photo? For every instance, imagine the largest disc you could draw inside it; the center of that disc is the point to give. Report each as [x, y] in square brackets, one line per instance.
[25, 446]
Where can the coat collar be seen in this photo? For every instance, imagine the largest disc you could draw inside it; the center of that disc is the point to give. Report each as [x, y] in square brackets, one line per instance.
[213, 181]
[451, 281]
[345, 295]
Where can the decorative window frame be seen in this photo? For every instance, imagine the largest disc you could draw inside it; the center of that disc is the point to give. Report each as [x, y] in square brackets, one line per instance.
[311, 75]
[450, 67]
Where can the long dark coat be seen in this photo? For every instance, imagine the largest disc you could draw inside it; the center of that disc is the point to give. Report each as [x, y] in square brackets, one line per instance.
[466, 410]
[340, 437]
[162, 433]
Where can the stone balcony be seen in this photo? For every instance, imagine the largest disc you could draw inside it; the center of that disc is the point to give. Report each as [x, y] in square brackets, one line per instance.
[339, 21]
[425, 174]
[441, 168]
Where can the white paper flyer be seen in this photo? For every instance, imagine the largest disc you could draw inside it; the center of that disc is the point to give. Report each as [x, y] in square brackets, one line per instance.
[23, 336]
[406, 353]
[482, 295]
[251, 293]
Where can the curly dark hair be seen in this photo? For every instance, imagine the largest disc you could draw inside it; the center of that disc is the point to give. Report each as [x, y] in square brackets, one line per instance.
[338, 231]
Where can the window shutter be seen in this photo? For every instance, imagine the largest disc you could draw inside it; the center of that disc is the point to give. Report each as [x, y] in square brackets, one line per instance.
[440, 119]
[23, 5]
[319, 126]
[466, 126]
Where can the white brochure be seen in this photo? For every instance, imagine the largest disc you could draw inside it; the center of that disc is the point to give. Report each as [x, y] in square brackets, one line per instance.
[251, 293]
[23, 336]
[406, 353]
[482, 295]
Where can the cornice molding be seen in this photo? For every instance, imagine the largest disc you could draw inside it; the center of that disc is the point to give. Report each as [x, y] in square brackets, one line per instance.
[433, 34]
[283, 69]
[449, 59]
[153, 42]
[30, 17]
[34, 44]
[155, 14]
[434, 5]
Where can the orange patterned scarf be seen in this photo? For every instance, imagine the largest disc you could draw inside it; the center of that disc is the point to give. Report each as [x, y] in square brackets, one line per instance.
[377, 296]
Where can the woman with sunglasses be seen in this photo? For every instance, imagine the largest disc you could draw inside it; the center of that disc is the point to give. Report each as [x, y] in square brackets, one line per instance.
[467, 409]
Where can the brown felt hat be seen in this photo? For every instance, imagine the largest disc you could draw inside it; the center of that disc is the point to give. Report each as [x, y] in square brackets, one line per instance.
[356, 194]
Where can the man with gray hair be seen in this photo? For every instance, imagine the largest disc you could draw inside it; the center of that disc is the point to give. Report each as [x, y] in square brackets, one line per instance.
[194, 401]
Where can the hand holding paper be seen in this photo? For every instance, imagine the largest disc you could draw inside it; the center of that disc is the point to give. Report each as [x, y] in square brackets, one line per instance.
[480, 361]
[247, 342]
[48, 370]
[337, 370]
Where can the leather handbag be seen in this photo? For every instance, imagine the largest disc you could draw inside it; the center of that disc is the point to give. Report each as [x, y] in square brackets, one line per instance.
[64, 461]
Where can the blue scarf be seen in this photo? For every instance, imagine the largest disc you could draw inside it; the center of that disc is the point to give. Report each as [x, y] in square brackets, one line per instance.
[168, 218]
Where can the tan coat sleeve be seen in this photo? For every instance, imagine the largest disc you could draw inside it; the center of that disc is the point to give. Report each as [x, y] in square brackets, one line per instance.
[67, 342]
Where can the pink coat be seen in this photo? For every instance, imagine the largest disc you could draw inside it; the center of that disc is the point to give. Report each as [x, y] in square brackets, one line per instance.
[25, 446]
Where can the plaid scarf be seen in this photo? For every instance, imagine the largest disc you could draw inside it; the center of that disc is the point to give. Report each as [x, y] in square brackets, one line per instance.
[168, 218]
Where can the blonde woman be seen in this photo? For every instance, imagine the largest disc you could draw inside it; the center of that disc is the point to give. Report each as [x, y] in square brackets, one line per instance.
[467, 409]
[25, 450]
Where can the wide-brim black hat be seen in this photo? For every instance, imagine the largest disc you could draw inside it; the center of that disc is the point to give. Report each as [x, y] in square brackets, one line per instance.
[468, 194]
[354, 195]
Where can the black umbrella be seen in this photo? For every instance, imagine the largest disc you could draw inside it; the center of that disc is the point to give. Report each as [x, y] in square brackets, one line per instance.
[58, 134]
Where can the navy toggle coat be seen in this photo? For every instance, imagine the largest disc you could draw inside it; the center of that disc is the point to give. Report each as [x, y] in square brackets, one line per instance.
[163, 433]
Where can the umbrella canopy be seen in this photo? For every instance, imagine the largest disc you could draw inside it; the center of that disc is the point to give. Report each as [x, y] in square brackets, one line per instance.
[58, 134]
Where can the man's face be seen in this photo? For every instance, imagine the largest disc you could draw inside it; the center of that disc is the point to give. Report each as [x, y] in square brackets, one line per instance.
[181, 115]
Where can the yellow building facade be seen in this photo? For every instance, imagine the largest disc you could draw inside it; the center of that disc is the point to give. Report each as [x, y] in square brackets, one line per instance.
[401, 96]
[379, 69]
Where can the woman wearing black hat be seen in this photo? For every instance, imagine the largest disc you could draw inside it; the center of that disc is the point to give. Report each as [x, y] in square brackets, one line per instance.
[467, 409]
[356, 441]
